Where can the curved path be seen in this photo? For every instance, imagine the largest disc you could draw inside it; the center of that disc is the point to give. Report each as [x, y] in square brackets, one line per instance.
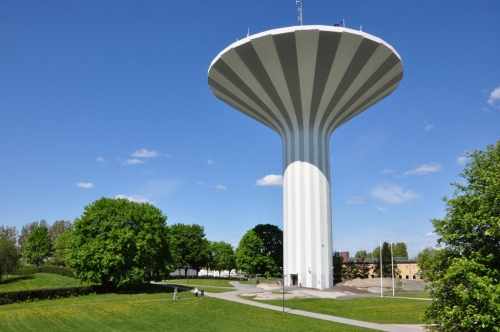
[249, 288]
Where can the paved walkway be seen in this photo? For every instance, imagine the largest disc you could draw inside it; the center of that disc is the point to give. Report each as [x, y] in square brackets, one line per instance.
[251, 288]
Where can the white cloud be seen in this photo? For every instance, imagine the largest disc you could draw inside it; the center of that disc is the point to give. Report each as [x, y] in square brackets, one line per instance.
[143, 153]
[431, 234]
[381, 209]
[201, 183]
[354, 200]
[270, 180]
[85, 185]
[386, 171]
[210, 161]
[221, 187]
[424, 169]
[494, 96]
[393, 194]
[429, 126]
[100, 159]
[134, 198]
[134, 162]
[462, 160]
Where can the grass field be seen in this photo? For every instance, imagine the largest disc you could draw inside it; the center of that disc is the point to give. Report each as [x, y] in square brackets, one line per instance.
[36, 281]
[153, 312]
[369, 309]
[209, 285]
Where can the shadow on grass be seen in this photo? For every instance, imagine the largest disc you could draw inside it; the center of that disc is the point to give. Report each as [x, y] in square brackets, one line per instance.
[143, 289]
[11, 280]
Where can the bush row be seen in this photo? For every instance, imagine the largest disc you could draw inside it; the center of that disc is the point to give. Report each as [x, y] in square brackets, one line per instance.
[64, 271]
[174, 277]
[65, 292]
[49, 294]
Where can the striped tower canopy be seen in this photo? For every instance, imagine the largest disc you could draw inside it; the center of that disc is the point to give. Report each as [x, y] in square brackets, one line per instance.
[304, 82]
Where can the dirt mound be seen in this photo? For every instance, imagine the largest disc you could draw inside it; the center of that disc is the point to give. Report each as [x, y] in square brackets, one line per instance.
[373, 284]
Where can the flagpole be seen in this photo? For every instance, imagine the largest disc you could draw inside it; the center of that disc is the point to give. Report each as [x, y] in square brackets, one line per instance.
[381, 269]
[392, 270]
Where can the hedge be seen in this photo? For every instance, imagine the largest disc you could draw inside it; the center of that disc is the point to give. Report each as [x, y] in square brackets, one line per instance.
[176, 276]
[64, 271]
[65, 292]
[49, 293]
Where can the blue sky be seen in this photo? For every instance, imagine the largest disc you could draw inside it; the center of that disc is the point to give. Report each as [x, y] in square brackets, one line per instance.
[108, 98]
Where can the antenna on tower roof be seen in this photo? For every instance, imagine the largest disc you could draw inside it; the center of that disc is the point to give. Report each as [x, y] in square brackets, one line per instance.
[299, 2]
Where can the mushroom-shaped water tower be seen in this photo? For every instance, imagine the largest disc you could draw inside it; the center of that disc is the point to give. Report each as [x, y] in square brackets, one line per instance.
[304, 82]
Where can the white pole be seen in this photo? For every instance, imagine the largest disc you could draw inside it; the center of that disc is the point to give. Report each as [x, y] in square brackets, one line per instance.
[392, 269]
[381, 295]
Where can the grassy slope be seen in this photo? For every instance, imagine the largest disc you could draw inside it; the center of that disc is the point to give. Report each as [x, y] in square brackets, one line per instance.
[37, 280]
[369, 309]
[153, 312]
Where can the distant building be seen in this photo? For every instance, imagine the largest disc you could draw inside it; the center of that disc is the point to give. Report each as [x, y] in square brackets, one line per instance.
[404, 268]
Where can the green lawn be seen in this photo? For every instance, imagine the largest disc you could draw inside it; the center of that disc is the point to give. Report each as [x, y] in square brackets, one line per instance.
[415, 295]
[209, 285]
[36, 281]
[387, 310]
[153, 312]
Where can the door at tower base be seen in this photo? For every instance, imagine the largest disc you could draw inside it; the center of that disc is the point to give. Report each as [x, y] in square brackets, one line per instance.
[304, 82]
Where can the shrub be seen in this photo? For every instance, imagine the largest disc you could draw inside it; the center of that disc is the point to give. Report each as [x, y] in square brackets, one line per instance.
[63, 271]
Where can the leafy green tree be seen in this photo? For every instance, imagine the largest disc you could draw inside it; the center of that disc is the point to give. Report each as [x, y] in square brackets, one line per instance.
[62, 243]
[251, 257]
[386, 260]
[465, 275]
[188, 246]
[223, 256]
[8, 233]
[9, 257]
[426, 260]
[362, 254]
[38, 246]
[59, 227]
[338, 265]
[118, 242]
[27, 230]
[272, 237]
[400, 250]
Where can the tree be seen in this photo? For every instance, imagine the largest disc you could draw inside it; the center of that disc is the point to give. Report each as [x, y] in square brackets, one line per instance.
[251, 257]
[465, 275]
[38, 246]
[8, 233]
[362, 254]
[223, 256]
[62, 243]
[59, 227]
[426, 259]
[386, 260]
[272, 237]
[118, 242]
[188, 246]
[400, 250]
[9, 256]
[27, 230]
[338, 265]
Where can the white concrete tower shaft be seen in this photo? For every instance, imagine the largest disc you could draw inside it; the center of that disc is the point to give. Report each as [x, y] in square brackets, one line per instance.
[304, 82]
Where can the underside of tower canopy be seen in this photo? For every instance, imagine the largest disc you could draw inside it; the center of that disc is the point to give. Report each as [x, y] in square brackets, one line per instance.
[304, 82]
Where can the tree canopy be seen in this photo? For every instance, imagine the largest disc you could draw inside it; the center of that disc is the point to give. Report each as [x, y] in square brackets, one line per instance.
[117, 242]
[8, 233]
[27, 230]
[272, 237]
[188, 246]
[465, 274]
[38, 246]
[59, 227]
[222, 256]
[251, 257]
[9, 256]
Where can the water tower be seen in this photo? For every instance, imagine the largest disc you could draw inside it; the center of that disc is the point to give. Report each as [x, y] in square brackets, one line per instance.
[304, 82]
